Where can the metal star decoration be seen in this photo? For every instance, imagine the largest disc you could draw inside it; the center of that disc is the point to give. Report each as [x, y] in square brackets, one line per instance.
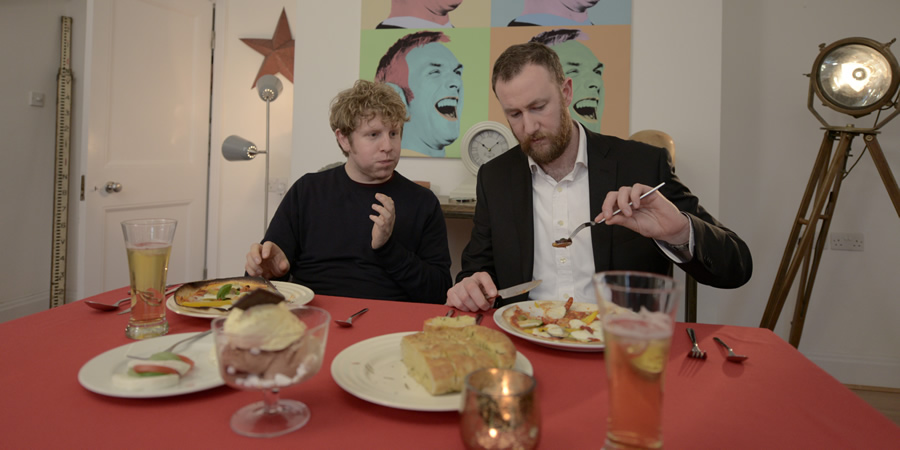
[278, 51]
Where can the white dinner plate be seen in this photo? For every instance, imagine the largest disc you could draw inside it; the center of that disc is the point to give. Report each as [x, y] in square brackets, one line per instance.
[96, 374]
[373, 370]
[531, 308]
[295, 294]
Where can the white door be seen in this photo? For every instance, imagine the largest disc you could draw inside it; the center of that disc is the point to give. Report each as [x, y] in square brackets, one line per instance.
[148, 89]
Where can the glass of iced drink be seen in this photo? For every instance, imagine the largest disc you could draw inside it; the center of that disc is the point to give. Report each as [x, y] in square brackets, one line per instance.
[638, 314]
[148, 243]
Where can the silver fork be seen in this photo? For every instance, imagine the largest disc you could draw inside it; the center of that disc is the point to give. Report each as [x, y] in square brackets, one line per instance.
[695, 351]
[172, 347]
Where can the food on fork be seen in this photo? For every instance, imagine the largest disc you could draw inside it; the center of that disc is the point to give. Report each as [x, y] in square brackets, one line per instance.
[440, 357]
[558, 321]
[221, 292]
[263, 343]
[162, 370]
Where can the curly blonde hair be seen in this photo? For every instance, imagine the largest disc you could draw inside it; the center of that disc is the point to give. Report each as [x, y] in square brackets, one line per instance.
[363, 102]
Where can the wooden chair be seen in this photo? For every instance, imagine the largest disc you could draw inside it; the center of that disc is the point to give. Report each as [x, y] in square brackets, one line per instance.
[661, 139]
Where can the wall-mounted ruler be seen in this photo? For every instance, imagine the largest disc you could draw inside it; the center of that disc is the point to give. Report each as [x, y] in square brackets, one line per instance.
[61, 182]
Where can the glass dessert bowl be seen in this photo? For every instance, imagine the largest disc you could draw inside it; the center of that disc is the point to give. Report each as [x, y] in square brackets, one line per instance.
[268, 348]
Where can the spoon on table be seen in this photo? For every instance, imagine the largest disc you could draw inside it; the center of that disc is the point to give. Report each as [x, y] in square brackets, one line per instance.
[732, 356]
[565, 242]
[106, 306]
[349, 321]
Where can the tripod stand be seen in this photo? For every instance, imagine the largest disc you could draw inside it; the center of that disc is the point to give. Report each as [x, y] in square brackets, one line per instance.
[825, 181]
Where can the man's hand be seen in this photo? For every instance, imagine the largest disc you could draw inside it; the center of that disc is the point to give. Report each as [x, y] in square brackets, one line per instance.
[475, 293]
[654, 217]
[384, 220]
[267, 261]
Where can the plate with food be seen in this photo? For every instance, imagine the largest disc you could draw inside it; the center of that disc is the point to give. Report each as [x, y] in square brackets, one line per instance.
[379, 369]
[212, 298]
[564, 325]
[114, 374]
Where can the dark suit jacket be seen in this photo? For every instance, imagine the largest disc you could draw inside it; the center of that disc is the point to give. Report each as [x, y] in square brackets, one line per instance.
[502, 241]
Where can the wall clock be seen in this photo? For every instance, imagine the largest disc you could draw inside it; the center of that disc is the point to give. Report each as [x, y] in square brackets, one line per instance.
[482, 142]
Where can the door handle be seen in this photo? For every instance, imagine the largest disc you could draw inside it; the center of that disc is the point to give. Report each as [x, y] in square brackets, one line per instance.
[113, 187]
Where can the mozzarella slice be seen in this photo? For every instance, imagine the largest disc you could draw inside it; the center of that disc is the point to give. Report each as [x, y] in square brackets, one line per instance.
[581, 335]
[555, 330]
[556, 312]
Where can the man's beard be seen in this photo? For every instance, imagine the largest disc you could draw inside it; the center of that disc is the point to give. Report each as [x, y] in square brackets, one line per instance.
[557, 141]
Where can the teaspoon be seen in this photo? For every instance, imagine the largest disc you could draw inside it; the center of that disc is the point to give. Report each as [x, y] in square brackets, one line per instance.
[105, 306]
[732, 356]
[349, 321]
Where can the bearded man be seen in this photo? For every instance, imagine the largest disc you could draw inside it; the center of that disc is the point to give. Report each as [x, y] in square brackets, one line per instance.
[562, 175]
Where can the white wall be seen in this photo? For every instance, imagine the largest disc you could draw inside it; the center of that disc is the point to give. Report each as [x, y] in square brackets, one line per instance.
[724, 79]
[769, 144]
[30, 33]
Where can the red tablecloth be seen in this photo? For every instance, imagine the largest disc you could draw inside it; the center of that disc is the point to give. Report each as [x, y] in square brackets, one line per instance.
[776, 399]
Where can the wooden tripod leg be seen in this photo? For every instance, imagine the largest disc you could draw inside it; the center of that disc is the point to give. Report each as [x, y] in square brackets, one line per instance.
[890, 183]
[773, 308]
[808, 277]
[791, 264]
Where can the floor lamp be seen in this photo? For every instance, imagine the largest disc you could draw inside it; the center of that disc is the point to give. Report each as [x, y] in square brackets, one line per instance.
[236, 148]
[854, 76]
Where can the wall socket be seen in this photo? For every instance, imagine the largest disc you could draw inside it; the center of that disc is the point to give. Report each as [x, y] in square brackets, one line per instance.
[847, 241]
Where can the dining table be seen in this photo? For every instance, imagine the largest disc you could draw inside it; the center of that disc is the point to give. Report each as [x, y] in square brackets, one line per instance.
[776, 399]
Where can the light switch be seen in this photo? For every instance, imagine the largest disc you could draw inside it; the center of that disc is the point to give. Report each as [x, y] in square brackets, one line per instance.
[36, 98]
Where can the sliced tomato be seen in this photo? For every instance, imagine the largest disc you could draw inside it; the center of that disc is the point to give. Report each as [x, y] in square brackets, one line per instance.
[148, 368]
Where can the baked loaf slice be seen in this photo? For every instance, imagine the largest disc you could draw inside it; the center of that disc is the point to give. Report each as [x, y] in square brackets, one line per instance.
[435, 323]
[439, 359]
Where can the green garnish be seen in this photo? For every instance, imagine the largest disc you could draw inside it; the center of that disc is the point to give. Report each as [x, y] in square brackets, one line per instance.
[164, 356]
[223, 292]
[132, 373]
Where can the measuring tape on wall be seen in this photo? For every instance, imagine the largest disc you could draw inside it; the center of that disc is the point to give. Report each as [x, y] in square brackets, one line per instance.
[61, 184]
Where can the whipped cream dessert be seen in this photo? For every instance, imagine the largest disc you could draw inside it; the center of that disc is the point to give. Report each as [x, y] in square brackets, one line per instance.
[264, 346]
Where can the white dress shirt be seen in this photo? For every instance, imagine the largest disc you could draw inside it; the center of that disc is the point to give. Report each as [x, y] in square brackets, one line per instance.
[559, 207]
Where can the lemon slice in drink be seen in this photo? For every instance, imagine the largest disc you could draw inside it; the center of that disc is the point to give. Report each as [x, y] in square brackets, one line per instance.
[653, 359]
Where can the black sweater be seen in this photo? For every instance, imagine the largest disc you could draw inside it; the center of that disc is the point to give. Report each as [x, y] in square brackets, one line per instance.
[323, 226]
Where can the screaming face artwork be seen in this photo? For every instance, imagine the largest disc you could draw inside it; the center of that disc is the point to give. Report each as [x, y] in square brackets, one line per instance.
[588, 92]
[435, 81]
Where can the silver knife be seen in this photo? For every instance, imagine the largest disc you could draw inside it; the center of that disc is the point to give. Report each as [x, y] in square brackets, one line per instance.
[518, 289]
[170, 290]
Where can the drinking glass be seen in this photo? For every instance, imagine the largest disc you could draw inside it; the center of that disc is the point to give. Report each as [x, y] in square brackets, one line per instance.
[244, 365]
[499, 410]
[148, 243]
[638, 313]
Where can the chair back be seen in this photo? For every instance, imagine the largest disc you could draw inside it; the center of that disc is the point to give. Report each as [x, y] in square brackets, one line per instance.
[662, 139]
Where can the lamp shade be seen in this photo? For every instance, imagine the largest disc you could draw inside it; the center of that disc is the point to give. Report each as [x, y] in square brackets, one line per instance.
[236, 148]
[269, 86]
[856, 76]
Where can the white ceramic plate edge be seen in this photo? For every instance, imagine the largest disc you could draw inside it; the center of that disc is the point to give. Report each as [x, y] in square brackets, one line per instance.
[353, 360]
[511, 330]
[96, 374]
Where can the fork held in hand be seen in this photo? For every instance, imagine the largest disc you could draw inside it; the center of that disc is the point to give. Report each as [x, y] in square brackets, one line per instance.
[695, 351]
[565, 242]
